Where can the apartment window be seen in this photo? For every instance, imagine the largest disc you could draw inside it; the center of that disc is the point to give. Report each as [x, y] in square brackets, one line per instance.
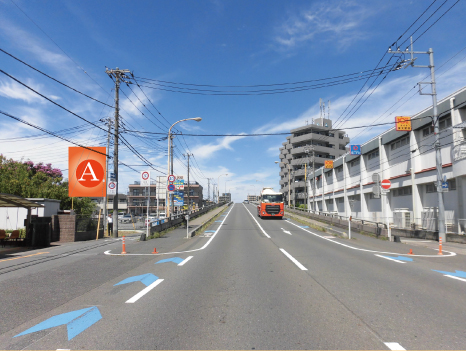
[428, 131]
[340, 200]
[373, 154]
[339, 169]
[431, 188]
[403, 191]
[355, 163]
[135, 192]
[399, 143]
[452, 184]
[445, 123]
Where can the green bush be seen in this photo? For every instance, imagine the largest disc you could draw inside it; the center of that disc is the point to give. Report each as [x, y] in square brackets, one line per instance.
[303, 206]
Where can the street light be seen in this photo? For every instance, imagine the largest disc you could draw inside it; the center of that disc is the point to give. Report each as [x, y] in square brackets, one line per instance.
[218, 186]
[197, 119]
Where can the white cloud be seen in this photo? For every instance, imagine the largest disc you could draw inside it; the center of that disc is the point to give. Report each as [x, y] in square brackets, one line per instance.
[208, 150]
[338, 22]
[13, 90]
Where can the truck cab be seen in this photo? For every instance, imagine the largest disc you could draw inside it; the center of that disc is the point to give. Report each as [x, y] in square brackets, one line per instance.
[270, 204]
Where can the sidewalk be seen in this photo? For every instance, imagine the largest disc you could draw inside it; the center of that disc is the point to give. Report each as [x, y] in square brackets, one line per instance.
[370, 241]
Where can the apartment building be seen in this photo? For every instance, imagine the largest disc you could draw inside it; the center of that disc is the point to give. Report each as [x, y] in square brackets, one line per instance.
[408, 160]
[137, 197]
[195, 194]
[225, 197]
[251, 198]
[122, 203]
[309, 145]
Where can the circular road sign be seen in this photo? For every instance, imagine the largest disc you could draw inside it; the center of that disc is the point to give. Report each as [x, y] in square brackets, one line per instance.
[145, 175]
[171, 178]
[386, 184]
[111, 185]
[171, 187]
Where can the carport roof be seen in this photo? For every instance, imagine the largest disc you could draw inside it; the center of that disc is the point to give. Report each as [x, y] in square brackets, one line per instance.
[9, 200]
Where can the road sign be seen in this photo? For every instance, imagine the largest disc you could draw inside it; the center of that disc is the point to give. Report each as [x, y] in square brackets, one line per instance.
[375, 177]
[112, 176]
[355, 149]
[111, 190]
[376, 190]
[179, 184]
[145, 178]
[328, 164]
[386, 184]
[171, 187]
[171, 178]
[403, 123]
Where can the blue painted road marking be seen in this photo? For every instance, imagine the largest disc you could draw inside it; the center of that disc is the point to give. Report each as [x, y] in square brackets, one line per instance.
[210, 231]
[459, 274]
[400, 258]
[304, 226]
[146, 279]
[218, 221]
[76, 321]
[173, 259]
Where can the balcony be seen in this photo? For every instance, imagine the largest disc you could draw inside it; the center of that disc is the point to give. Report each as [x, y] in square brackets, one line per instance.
[283, 181]
[289, 157]
[301, 184]
[283, 172]
[317, 148]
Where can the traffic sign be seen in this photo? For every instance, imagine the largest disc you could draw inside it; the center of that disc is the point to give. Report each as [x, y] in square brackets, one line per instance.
[328, 164]
[403, 123]
[145, 178]
[375, 177]
[171, 178]
[355, 149]
[171, 187]
[386, 184]
[111, 190]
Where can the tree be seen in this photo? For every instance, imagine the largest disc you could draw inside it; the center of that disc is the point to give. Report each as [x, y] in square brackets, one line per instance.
[30, 180]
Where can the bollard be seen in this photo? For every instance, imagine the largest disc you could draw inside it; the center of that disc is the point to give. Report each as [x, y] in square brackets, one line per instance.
[123, 251]
[410, 251]
[440, 246]
[155, 251]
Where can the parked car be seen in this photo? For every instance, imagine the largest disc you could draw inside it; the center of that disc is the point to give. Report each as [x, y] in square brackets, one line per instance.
[126, 218]
[162, 215]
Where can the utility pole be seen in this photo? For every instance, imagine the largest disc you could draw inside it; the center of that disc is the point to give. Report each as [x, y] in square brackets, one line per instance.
[109, 123]
[171, 172]
[435, 122]
[208, 189]
[189, 211]
[118, 74]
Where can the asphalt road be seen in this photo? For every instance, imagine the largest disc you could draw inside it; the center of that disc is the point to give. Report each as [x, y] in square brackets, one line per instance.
[245, 283]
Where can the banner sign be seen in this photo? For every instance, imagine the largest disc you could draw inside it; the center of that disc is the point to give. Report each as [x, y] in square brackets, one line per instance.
[178, 198]
[145, 178]
[179, 184]
[328, 164]
[403, 123]
[355, 149]
[86, 171]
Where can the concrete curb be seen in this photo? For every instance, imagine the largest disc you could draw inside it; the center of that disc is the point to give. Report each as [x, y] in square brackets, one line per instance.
[194, 231]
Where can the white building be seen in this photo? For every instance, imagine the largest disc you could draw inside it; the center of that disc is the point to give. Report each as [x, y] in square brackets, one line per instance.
[408, 160]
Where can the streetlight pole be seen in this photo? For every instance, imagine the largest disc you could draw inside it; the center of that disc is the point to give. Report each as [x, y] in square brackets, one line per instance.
[197, 119]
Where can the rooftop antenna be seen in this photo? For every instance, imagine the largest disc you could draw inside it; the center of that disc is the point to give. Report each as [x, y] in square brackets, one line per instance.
[328, 110]
[320, 103]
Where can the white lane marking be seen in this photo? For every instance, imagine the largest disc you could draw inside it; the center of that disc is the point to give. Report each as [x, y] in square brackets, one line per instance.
[329, 237]
[389, 258]
[286, 231]
[394, 346]
[263, 231]
[451, 276]
[294, 260]
[366, 250]
[418, 241]
[186, 260]
[175, 252]
[144, 291]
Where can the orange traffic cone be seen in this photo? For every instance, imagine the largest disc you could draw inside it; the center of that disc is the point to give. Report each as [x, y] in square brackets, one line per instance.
[410, 251]
[123, 251]
[440, 246]
[155, 251]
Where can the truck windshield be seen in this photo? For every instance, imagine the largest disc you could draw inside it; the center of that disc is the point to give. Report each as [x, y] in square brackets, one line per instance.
[272, 198]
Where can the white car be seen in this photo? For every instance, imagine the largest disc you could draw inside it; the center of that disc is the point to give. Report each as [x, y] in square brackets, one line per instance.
[162, 215]
[149, 220]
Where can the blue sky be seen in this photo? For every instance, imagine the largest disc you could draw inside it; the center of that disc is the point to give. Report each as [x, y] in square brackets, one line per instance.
[222, 43]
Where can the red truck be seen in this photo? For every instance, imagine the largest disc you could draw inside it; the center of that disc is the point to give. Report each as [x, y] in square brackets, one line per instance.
[270, 204]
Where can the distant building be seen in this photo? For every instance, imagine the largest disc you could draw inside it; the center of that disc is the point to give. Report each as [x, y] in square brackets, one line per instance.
[122, 203]
[137, 199]
[252, 198]
[225, 197]
[195, 194]
[316, 139]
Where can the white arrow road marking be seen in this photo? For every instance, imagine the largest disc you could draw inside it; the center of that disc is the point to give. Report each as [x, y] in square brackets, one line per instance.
[286, 231]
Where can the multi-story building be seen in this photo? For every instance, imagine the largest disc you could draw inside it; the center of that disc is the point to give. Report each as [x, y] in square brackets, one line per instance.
[122, 203]
[137, 199]
[225, 197]
[252, 198]
[309, 145]
[408, 160]
[195, 194]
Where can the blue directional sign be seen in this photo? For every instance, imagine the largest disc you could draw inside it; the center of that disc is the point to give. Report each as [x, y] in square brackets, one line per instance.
[76, 322]
[355, 149]
[400, 258]
[177, 260]
[146, 279]
[459, 274]
[444, 185]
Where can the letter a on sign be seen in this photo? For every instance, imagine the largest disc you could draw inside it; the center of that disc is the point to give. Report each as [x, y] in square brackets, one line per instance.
[86, 172]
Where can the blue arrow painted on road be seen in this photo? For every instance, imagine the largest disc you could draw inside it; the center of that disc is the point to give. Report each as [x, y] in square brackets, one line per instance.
[173, 259]
[304, 226]
[400, 258]
[459, 274]
[146, 279]
[77, 322]
[210, 231]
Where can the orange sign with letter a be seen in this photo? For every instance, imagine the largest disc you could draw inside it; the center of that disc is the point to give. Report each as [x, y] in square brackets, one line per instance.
[86, 171]
[403, 123]
[328, 164]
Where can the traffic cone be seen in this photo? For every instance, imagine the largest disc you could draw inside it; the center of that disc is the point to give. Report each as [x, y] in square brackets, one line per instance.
[123, 251]
[410, 251]
[155, 251]
[440, 246]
